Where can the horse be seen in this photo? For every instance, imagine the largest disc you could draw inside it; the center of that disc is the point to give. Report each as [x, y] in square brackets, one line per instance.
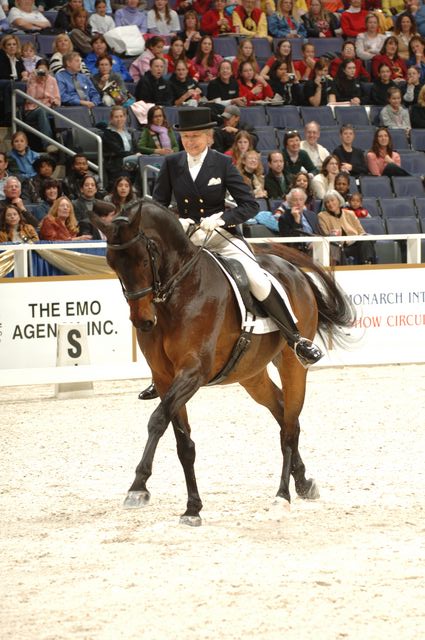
[188, 321]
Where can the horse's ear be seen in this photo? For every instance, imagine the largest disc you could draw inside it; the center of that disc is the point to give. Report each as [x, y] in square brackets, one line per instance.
[133, 212]
[105, 227]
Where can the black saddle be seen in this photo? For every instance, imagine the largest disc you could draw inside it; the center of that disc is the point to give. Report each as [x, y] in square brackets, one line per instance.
[238, 273]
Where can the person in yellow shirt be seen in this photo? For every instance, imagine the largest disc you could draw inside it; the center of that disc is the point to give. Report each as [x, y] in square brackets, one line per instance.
[249, 20]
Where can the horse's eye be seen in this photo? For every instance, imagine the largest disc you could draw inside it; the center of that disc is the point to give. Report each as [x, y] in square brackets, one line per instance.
[145, 263]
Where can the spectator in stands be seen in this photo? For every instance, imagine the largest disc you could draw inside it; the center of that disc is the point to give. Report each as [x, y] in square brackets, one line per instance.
[44, 167]
[110, 85]
[62, 44]
[122, 194]
[412, 88]
[183, 87]
[282, 23]
[4, 174]
[382, 160]
[200, 6]
[63, 18]
[100, 22]
[12, 195]
[175, 53]
[342, 185]
[283, 84]
[352, 158]
[11, 64]
[23, 156]
[389, 55]
[296, 159]
[224, 89]
[251, 169]
[346, 87]
[120, 149]
[370, 42]
[43, 87]
[154, 49]
[224, 136]
[4, 25]
[13, 227]
[417, 113]
[348, 52]
[293, 220]
[216, 21]
[404, 30]
[25, 17]
[29, 56]
[83, 204]
[284, 54]
[305, 66]
[100, 48]
[245, 53]
[393, 7]
[355, 202]
[419, 16]
[274, 182]
[316, 151]
[76, 88]
[153, 87]
[158, 137]
[394, 115]
[353, 20]
[206, 61]
[249, 20]
[78, 170]
[90, 7]
[325, 180]
[106, 212]
[417, 55]
[60, 223]
[379, 91]
[251, 88]
[51, 190]
[316, 92]
[335, 220]
[80, 33]
[131, 14]
[303, 181]
[319, 22]
[162, 20]
[243, 142]
[191, 34]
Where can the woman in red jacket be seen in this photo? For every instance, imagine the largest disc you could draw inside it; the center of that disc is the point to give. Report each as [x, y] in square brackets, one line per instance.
[348, 52]
[216, 22]
[389, 55]
[251, 88]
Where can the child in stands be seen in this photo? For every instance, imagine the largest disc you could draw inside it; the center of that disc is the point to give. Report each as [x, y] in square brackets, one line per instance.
[23, 156]
[355, 202]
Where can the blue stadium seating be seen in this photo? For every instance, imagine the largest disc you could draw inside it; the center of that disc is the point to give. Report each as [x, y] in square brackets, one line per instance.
[372, 205]
[254, 116]
[397, 207]
[284, 117]
[267, 139]
[408, 186]
[226, 47]
[321, 115]
[413, 162]
[78, 114]
[376, 187]
[352, 115]
[417, 139]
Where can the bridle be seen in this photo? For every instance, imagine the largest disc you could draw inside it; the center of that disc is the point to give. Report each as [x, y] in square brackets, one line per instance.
[161, 293]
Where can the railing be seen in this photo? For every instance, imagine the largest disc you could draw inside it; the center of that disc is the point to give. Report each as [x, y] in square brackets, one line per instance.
[321, 248]
[98, 168]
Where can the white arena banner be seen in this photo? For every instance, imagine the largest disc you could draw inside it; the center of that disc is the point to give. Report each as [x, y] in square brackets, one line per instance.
[32, 309]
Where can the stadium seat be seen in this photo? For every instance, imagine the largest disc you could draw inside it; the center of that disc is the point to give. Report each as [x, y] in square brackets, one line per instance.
[408, 186]
[171, 114]
[374, 226]
[267, 139]
[372, 205]
[323, 46]
[329, 138]
[101, 114]
[154, 161]
[262, 48]
[387, 251]
[420, 207]
[254, 116]
[80, 142]
[413, 162]
[78, 114]
[376, 187]
[226, 47]
[364, 137]
[417, 139]
[403, 225]
[397, 207]
[284, 117]
[45, 44]
[321, 115]
[374, 111]
[399, 138]
[257, 231]
[352, 115]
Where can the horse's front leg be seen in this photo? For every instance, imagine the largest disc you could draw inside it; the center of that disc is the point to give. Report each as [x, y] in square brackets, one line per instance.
[187, 454]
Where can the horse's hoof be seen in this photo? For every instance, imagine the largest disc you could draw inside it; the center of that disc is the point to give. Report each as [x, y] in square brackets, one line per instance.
[136, 499]
[311, 492]
[191, 521]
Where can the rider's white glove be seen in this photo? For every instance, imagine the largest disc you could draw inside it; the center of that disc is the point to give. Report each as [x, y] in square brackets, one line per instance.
[185, 223]
[212, 222]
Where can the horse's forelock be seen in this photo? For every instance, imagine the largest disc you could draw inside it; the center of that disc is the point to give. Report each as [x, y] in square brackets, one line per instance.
[156, 216]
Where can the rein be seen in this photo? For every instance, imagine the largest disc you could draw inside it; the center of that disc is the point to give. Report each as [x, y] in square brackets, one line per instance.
[161, 293]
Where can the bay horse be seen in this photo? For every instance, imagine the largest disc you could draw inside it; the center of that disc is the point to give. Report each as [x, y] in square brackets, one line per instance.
[188, 321]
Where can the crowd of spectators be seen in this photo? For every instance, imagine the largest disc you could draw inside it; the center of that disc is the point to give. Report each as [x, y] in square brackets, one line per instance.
[381, 62]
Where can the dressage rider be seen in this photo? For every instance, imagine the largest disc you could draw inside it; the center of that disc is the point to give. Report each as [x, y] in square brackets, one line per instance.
[199, 178]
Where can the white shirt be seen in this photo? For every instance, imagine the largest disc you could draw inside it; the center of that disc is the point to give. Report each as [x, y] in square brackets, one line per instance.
[317, 153]
[161, 26]
[31, 16]
[195, 163]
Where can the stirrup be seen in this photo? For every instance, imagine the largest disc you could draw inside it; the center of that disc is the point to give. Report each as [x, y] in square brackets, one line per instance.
[311, 355]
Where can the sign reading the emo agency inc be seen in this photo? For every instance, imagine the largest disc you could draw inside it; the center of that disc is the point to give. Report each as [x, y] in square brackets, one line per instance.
[32, 310]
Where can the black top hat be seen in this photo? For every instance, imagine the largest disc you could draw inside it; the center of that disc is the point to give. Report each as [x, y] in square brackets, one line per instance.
[194, 119]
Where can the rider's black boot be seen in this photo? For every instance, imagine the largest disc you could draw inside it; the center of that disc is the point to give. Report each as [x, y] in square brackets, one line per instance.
[307, 353]
[150, 393]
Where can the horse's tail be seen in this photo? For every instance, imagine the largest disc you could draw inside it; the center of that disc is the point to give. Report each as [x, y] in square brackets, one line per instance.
[335, 310]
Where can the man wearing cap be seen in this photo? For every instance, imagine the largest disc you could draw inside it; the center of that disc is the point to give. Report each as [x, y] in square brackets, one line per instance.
[199, 178]
[224, 136]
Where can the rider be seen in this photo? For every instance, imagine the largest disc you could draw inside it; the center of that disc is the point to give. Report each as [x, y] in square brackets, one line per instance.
[199, 178]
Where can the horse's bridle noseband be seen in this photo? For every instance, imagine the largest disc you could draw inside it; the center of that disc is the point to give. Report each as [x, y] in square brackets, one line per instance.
[161, 293]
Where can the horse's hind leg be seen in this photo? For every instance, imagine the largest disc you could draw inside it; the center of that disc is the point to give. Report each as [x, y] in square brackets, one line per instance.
[187, 454]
